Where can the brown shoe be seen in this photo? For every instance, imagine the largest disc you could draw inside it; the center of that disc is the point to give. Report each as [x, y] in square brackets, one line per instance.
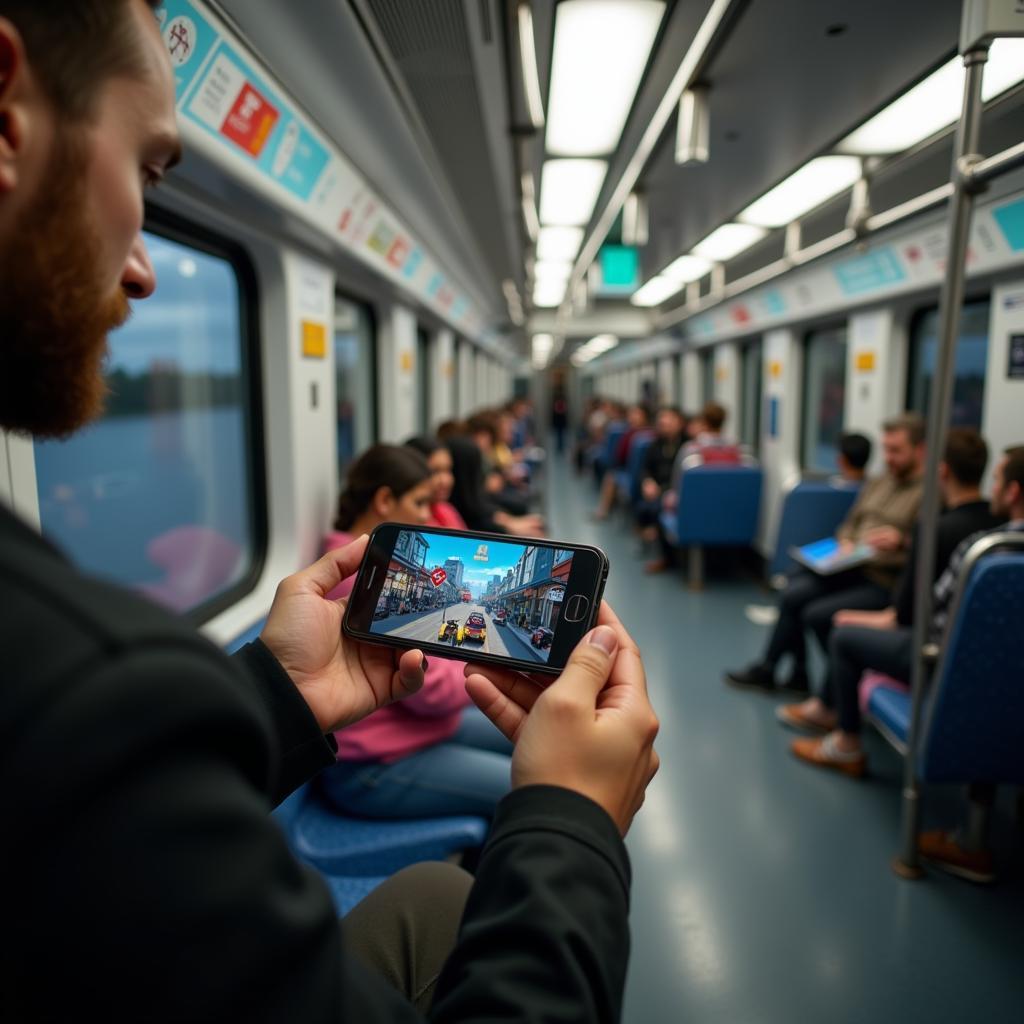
[658, 565]
[792, 717]
[943, 851]
[825, 754]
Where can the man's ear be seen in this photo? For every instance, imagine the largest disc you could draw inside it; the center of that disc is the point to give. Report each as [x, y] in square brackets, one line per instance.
[13, 68]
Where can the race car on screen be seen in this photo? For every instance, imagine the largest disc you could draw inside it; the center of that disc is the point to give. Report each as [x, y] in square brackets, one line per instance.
[474, 629]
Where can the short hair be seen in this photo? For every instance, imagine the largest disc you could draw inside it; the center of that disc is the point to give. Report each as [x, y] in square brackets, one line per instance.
[966, 455]
[674, 409]
[911, 423]
[483, 423]
[450, 428]
[714, 415]
[1013, 471]
[856, 449]
[75, 46]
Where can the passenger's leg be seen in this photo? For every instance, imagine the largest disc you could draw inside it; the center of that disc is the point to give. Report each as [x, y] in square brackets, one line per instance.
[446, 778]
[856, 592]
[607, 499]
[479, 732]
[406, 928]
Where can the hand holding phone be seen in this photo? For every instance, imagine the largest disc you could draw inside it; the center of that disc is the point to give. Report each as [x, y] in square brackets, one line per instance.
[592, 730]
[476, 596]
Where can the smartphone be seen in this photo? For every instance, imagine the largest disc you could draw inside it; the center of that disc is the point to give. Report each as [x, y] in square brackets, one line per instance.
[482, 597]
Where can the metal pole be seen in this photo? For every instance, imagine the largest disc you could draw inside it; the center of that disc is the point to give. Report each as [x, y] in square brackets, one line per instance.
[906, 862]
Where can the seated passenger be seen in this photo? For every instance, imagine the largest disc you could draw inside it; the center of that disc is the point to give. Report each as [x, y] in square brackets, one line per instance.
[508, 494]
[638, 422]
[882, 516]
[852, 458]
[442, 512]
[477, 509]
[433, 753]
[966, 513]
[669, 427]
[707, 438]
[887, 646]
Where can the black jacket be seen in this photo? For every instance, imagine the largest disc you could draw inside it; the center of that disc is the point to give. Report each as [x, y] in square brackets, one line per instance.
[659, 459]
[145, 879]
[954, 525]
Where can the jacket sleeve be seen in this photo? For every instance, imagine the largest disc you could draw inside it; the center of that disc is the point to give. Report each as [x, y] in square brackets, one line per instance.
[545, 934]
[152, 872]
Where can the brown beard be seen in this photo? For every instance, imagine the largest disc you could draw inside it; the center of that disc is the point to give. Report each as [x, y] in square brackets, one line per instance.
[53, 322]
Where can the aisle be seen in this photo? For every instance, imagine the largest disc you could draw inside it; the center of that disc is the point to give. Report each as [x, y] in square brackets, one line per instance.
[762, 891]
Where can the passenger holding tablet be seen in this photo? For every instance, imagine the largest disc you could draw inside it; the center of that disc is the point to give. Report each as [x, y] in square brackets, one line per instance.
[882, 517]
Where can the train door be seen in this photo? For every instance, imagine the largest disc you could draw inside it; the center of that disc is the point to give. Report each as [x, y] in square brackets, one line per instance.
[824, 398]
[355, 378]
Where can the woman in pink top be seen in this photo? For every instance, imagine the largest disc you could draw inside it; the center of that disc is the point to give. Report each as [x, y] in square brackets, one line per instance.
[442, 512]
[432, 753]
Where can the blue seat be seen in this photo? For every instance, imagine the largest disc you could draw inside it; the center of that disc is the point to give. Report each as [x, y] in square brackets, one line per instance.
[716, 505]
[339, 845]
[890, 711]
[811, 510]
[347, 892]
[635, 465]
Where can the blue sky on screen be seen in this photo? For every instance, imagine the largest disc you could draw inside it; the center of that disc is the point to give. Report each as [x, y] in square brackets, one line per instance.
[477, 572]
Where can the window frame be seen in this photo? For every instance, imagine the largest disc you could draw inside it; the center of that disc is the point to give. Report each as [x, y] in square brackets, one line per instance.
[183, 231]
[373, 395]
[752, 353]
[813, 472]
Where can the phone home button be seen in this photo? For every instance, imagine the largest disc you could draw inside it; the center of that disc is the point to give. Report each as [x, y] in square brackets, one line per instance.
[576, 608]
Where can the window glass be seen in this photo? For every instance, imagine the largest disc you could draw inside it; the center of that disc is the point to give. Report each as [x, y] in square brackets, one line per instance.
[159, 493]
[971, 361]
[354, 379]
[750, 403]
[707, 374]
[423, 378]
[824, 398]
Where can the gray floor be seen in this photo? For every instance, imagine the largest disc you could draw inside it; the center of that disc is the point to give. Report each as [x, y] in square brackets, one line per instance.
[762, 889]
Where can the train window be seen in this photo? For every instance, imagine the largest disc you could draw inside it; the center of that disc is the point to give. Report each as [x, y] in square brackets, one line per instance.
[354, 369]
[971, 361]
[824, 397]
[165, 492]
[707, 374]
[750, 397]
[422, 369]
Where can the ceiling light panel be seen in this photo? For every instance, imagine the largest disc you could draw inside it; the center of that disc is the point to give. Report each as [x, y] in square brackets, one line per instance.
[600, 52]
[804, 190]
[549, 293]
[655, 292]
[569, 190]
[935, 103]
[559, 243]
[687, 268]
[729, 241]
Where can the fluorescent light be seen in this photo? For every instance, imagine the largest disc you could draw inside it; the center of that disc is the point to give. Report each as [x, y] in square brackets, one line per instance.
[569, 190]
[687, 268]
[549, 293]
[559, 243]
[601, 50]
[552, 270]
[655, 292]
[529, 204]
[935, 103]
[528, 62]
[818, 180]
[728, 241]
[601, 343]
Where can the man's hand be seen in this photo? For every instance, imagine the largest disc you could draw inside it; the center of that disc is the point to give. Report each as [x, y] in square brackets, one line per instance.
[650, 490]
[884, 538]
[592, 730]
[885, 619]
[341, 680]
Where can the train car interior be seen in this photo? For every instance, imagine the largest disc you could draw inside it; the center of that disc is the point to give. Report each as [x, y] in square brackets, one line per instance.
[732, 290]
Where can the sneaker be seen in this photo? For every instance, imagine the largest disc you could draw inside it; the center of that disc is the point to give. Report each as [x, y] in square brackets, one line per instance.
[756, 677]
[825, 754]
[942, 850]
[796, 682]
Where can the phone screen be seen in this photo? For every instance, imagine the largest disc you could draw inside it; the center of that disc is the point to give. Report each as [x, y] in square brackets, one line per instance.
[477, 597]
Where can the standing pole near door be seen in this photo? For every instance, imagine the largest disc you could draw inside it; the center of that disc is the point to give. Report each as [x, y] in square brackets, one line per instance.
[965, 153]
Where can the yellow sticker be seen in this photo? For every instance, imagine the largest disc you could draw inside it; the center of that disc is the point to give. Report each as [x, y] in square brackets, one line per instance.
[865, 361]
[406, 362]
[722, 373]
[314, 340]
[775, 368]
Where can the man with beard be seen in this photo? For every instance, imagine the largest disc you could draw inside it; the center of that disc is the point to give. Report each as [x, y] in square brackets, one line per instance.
[145, 878]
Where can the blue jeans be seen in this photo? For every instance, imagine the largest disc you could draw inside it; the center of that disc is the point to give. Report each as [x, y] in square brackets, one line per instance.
[466, 774]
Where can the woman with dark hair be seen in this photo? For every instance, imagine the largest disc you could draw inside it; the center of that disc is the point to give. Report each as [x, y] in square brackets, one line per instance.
[442, 512]
[432, 753]
[471, 501]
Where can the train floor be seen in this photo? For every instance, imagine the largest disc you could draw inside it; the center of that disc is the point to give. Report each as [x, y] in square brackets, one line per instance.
[762, 888]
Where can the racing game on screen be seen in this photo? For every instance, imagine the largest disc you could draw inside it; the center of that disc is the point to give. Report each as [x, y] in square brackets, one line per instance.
[503, 599]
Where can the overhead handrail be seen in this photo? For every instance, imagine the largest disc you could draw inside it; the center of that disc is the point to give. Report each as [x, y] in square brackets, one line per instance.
[976, 38]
